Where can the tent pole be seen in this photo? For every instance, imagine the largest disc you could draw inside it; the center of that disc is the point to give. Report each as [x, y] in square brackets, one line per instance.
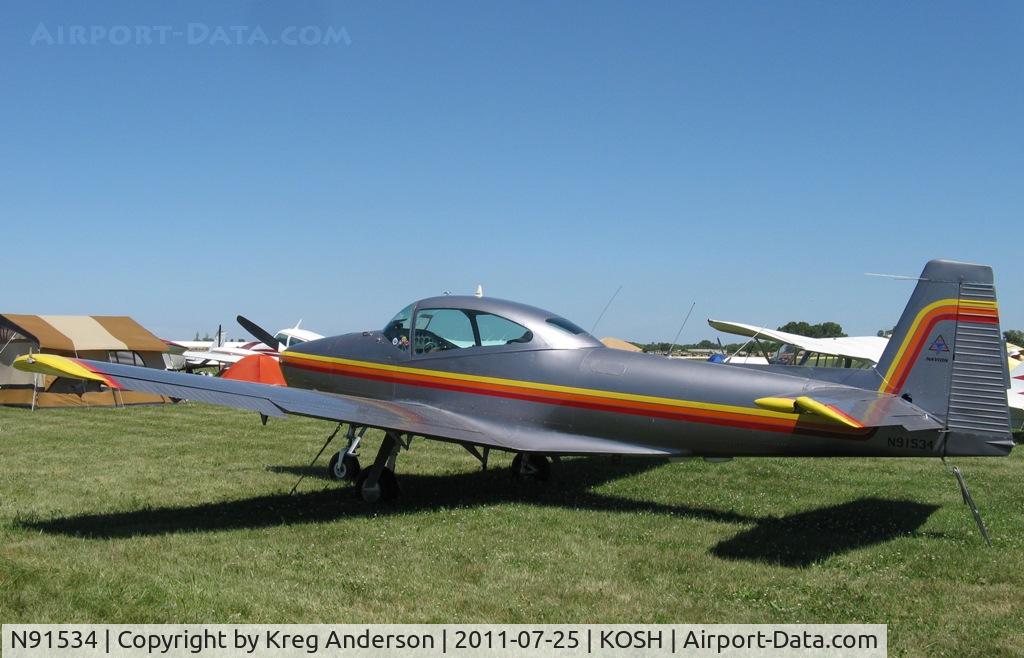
[35, 384]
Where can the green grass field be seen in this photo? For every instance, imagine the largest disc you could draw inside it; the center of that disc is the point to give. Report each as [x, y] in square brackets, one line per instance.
[182, 514]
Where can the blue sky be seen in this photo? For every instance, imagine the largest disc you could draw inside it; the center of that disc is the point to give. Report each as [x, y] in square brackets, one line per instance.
[756, 158]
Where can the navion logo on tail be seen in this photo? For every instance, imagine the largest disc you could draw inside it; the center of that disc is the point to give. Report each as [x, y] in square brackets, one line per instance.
[939, 347]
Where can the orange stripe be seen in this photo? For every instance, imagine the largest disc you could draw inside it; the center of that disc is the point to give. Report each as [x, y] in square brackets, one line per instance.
[694, 414]
[110, 381]
[845, 415]
[913, 344]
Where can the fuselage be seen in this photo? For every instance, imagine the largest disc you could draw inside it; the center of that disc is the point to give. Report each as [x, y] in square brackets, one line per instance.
[567, 382]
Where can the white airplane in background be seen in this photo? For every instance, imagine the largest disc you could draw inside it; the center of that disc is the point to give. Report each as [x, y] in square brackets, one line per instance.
[201, 354]
[851, 351]
[1015, 394]
[797, 350]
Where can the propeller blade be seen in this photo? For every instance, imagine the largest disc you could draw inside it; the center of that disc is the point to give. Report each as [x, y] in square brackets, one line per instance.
[259, 333]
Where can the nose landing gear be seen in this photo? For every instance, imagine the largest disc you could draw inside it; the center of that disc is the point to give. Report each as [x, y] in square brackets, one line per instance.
[344, 467]
[344, 464]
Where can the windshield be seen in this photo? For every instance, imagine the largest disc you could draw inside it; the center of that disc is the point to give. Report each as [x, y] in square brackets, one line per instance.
[440, 329]
[397, 331]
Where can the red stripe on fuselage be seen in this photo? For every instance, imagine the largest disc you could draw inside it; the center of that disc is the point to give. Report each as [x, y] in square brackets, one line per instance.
[647, 409]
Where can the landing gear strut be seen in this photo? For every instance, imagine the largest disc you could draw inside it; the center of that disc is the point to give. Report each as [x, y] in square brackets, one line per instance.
[378, 483]
[529, 466]
[482, 454]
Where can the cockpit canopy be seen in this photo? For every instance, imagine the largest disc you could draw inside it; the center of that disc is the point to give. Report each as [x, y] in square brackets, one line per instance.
[441, 324]
[288, 340]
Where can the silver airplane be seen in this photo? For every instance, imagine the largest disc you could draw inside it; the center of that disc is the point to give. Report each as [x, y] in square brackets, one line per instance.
[492, 374]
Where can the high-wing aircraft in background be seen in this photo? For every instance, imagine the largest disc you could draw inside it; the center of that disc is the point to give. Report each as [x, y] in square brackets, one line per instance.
[846, 352]
[1015, 394]
[797, 350]
[492, 374]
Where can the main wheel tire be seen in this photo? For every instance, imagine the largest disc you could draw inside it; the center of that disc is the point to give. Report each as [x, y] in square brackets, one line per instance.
[346, 468]
[385, 491]
[529, 466]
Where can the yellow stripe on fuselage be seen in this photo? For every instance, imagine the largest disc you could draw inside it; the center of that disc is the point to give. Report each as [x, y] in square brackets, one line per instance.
[538, 386]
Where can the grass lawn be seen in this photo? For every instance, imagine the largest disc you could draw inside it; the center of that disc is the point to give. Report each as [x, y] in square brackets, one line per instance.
[182, 514]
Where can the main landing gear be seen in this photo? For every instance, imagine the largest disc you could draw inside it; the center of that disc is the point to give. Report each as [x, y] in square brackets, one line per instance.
[378, 483]
[530, 466]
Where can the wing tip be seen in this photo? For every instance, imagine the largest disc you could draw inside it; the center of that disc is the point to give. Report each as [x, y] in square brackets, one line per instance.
[62, 366]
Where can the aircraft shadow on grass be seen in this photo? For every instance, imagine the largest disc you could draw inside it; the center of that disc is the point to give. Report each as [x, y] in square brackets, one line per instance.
[795, 540]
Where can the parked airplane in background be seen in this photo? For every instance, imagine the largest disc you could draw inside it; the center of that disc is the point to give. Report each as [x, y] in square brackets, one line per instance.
[492, 374]
[845, 352]
[223, 354]
[1015, 394]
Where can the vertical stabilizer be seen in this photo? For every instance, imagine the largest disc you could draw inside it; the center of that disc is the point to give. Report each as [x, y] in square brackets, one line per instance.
[946, 356]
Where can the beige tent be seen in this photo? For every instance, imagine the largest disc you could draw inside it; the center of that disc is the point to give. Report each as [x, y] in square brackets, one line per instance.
[117, 339]
[619, 344]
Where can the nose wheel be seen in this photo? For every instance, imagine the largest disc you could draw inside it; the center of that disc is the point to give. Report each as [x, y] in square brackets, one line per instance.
[344, 466]
[528, 466]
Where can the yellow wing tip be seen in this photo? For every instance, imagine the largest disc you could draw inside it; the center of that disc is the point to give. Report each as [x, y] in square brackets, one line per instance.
[59, 366]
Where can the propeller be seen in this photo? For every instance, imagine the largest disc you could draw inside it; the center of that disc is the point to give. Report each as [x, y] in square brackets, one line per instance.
[259, 333]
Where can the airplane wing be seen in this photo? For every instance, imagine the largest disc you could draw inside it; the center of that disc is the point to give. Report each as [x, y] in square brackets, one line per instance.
[868, 348]
[212, 357]
[854, 408]
[1015, 394]
[279, 401]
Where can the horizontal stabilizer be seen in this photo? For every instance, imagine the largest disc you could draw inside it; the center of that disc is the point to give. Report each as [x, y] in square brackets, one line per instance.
[854, 408]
